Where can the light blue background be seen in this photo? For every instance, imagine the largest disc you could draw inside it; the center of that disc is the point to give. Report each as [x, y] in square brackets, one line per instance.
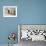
[28, 12]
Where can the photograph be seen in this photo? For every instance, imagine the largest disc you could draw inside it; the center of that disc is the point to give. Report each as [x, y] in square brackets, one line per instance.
[9, 11]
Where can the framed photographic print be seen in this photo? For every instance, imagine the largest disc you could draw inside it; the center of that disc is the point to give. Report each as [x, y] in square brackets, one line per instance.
[9, 11]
